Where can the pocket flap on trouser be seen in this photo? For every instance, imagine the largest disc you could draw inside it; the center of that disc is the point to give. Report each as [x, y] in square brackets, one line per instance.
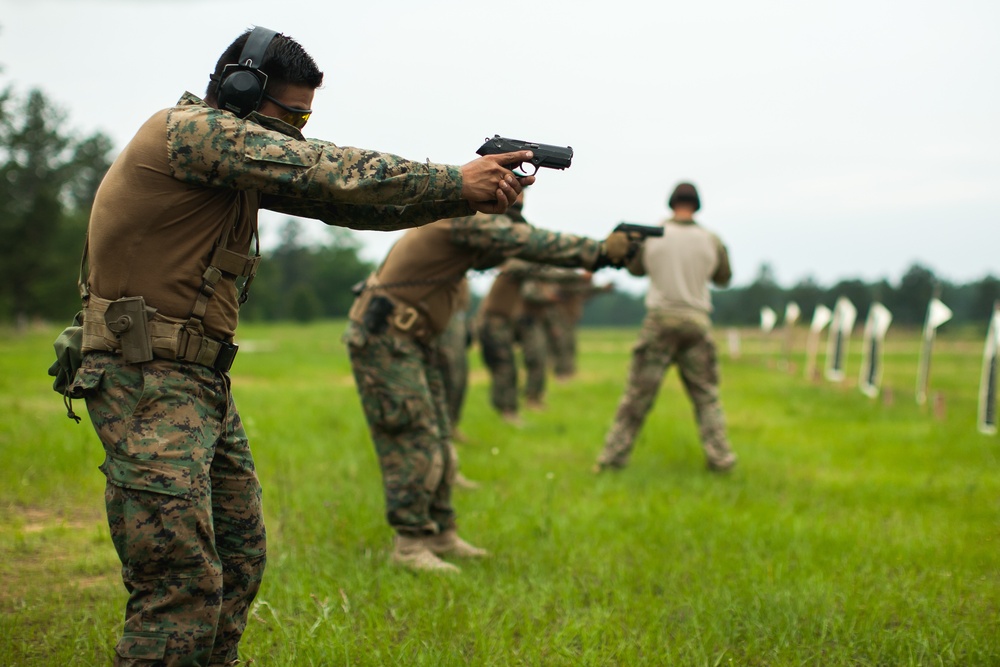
[167, 477]
[86, 381]
[142, 645]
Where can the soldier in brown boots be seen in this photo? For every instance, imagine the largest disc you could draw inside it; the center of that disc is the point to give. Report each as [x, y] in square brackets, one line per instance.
[393, 339]
[677, 330]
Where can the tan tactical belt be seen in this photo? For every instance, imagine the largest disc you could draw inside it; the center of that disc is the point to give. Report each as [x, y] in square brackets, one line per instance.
[168, 336]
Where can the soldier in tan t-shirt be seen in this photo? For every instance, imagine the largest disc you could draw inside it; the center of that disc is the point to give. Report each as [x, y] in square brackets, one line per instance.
[677, 329]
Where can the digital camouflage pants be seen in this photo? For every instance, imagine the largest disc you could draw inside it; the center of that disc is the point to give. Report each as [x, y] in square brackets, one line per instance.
[560, 331]
[534, 346]
[496, 339]
[402, 394]
[453, 362]
[664, 341]
[184, 507]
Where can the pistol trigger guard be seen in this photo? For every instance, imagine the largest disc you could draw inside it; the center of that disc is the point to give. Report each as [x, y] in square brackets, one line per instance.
[525, 172]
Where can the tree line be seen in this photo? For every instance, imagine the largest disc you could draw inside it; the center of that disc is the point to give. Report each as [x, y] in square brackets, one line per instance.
[907, 299]
[49, 176]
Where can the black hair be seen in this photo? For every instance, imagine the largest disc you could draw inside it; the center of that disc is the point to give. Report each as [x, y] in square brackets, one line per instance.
[285, 62]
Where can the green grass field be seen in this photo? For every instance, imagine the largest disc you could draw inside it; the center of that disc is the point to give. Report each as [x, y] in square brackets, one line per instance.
[852, 532]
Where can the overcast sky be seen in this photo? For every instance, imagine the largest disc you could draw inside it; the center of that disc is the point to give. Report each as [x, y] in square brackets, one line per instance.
[831, 139]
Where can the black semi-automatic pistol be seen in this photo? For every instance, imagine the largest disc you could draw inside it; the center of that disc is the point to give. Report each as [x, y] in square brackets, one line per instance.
[639, 231]
[543, 155]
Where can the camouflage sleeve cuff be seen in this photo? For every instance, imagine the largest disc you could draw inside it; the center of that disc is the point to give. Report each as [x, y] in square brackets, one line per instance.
[636, 265]
[591, 253]
[445, 180]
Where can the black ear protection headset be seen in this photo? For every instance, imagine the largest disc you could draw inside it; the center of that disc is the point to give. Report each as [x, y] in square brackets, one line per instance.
[241, 85]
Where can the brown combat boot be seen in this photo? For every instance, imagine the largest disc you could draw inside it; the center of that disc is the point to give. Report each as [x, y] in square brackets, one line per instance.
[414, 554]
[603, 465]
[450, 543]
[463, 482]
[535, 405]
[723, 464]
[512, 418]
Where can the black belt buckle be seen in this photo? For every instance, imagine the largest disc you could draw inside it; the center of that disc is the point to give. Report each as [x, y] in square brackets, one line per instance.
[224, 360]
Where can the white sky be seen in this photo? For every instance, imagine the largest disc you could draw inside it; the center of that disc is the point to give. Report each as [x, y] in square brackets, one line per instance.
[832, 139]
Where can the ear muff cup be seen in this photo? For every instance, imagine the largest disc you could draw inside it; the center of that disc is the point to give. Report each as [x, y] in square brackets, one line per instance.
[241, 86]
[241, 91]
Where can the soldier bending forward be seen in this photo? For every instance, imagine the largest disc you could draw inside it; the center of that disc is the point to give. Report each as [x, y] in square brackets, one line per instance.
[392, 339]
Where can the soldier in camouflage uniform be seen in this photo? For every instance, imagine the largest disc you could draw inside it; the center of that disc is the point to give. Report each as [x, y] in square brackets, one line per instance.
[503, 322]
[173, 223]
[454, 358]
[541, 298]
[677, 329]
[453, 364]
[497, 336]
[393, 338]
[563, 320]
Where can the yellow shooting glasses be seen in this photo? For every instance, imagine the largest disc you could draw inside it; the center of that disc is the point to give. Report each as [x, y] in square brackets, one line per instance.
[297, 118]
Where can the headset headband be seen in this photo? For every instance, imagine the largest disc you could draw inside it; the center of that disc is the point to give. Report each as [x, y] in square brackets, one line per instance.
[241, 85]
[252, 54]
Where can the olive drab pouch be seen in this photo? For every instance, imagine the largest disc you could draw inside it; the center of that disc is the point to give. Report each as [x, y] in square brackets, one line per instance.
[69, 356]
[127, 319]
